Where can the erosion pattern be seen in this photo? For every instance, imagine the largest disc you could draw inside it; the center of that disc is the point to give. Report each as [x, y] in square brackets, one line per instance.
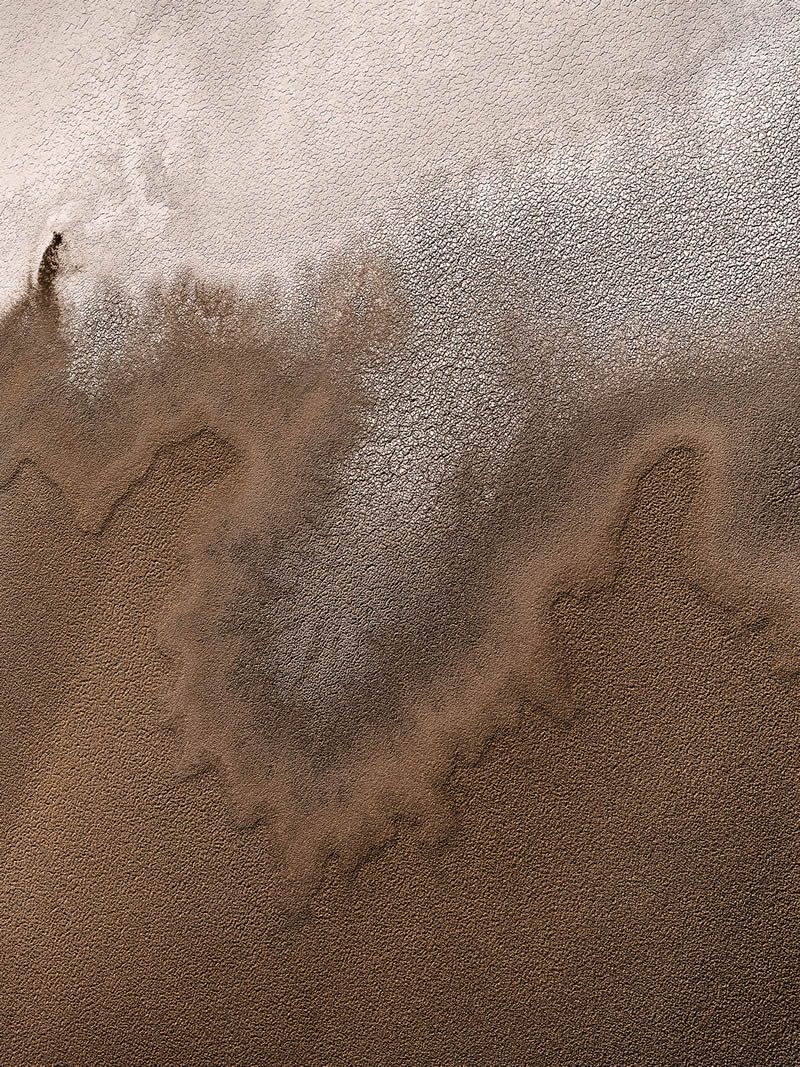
[400, 662]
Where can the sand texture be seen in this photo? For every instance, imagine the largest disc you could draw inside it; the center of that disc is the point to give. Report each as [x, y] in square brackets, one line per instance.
[400, 536]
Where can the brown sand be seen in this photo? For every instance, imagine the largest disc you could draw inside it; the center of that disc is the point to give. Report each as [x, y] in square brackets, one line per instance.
[572, 839]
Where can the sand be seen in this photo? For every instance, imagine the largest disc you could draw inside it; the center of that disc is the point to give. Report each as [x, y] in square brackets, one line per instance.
[551, 816]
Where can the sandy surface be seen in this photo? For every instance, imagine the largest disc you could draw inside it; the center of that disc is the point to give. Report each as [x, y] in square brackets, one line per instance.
[565, 835]
[400, 534]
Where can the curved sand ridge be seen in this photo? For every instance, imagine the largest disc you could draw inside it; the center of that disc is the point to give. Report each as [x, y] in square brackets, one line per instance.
[466, 560]
[271, 403]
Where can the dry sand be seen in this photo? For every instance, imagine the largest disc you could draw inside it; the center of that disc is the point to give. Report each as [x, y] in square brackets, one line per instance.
[563, 831]
[400, 534]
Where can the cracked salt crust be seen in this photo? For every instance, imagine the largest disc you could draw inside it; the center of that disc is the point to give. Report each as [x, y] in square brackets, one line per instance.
[249, 137]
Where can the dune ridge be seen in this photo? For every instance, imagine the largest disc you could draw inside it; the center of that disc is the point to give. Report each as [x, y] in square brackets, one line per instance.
[284, 397]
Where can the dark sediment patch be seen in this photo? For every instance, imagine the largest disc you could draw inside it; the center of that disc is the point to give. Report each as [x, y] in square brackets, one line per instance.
[49, 263]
